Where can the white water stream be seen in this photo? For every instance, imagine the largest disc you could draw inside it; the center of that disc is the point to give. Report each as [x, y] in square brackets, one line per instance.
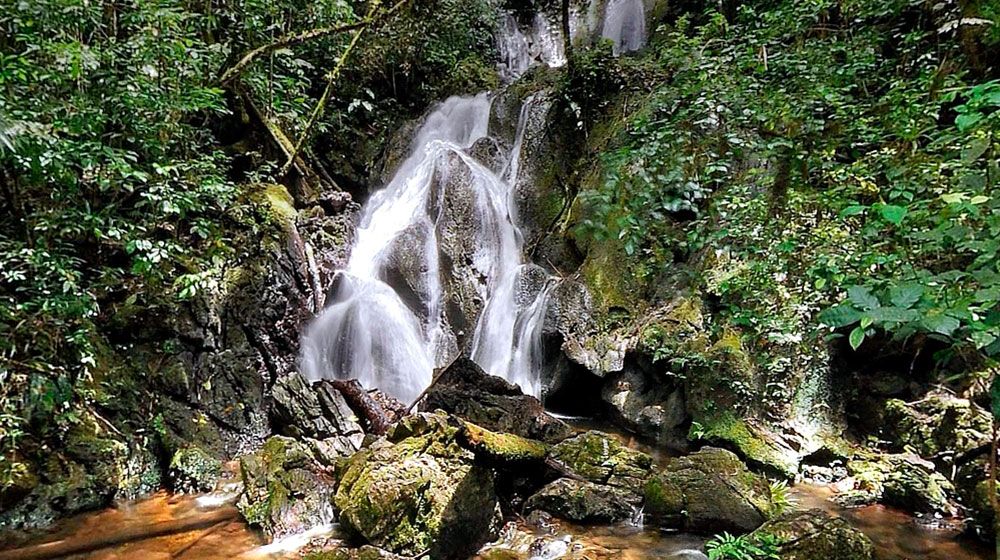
[388, 323]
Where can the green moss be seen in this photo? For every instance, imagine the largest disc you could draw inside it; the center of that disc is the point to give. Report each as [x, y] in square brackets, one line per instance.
[507, 448]
[725, 429]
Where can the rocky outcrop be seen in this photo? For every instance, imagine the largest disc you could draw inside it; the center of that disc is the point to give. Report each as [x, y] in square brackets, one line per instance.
[816, 535]
[193, 470]
[709, 491]
[465, 390]
[607, 482]
[288, 486]
[418, 491]
[903, 481]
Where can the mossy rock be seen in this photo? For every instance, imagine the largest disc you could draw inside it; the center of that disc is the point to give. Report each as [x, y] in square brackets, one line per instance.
[585, 501]
[709, 491]
[192, 470]
[419, 491]
[902, 481]
[751, 442]
[817, 535]
[502, 448]
[288, 486]
[601, 458]
[938, 422]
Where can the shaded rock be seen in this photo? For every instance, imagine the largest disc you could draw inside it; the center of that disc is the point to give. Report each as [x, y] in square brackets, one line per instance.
[903, 481]
[366, 552]
[419, 491]
[973, 487]
[709, 491]
[318, 411]
[610, 485]
[466, 390]
[192, 470]
[649, 407]
[817, 535]
[288, 486]
[586, 501]
[938, 422]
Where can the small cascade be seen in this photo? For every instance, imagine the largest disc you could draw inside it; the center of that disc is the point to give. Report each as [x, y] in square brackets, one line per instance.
[625, 25]
[520, 49]
[444, 225]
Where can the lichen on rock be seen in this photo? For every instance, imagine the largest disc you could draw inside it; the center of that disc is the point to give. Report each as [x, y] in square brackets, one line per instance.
[192, 470]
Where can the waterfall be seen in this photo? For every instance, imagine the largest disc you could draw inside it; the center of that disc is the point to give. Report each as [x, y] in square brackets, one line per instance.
[444, 217]
[625, 25]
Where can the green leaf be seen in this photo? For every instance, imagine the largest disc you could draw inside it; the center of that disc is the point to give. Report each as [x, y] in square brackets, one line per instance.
[906, 295]
[894, 315]
[852, 210]
[941, 324]
[893, 213]
[862, 298]
[967, 121]
[857, 337]
[820, 283]
[866, 322]
[840, 316]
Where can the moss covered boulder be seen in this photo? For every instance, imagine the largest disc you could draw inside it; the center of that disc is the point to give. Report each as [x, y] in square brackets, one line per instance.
[193, 470]
[709, 491]
[817, 535]
[607, 482]
[288, 486]
[936, 423]
[419, 491]
[903, 481]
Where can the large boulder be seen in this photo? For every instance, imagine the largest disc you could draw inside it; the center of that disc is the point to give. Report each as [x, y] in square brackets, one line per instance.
[419, 491]
[606, 481]
[816, 535]
[318, 411]
[936, 423]
[288, 486]
[973, 485]
[465, 390]
[903, 481]
[709, 491]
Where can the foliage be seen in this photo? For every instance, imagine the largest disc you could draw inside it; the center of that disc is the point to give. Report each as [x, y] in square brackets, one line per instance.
[744, 547]
[781, 498]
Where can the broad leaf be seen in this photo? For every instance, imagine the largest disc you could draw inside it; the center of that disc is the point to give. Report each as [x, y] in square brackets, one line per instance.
[941, 324]
[893, 213]
[906, 295]
[857, 337]
[852, 210]
[840, 316]
[894, 315]
[862, 298]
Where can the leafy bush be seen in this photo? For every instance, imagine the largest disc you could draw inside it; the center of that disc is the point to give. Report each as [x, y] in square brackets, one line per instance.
[744, 547]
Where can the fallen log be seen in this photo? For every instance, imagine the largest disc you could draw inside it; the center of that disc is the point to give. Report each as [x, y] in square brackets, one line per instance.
[362, 403]
[86, 543]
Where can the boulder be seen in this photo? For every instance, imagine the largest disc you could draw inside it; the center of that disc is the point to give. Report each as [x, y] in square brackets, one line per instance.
[288, 486]
[903, 481]
[192, 470]
[650, 407]
[937, 423]
[709, 491]
[607, 481]
[973, 485]
[318, 411]
[418, 491]
[816, 535]
[465, 390]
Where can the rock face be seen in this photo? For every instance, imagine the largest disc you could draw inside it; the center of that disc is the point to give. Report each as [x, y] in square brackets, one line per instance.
[817, 535]
[465, 390]
[650, 407]
[709, 491]
[419, 491]
[317, 411]
[288, 486]
[610, 482]
[193, 470]
[902, 481]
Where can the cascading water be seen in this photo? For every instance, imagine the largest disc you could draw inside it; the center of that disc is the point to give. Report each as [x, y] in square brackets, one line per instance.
[625, 25]
[387, 324]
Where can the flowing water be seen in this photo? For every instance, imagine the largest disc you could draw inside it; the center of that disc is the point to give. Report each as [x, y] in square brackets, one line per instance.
[625, 25]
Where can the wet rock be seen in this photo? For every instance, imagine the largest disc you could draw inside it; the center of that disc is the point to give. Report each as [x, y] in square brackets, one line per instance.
[650, 407]
[192, 470]
[465, 390]
[419, 491]
[903, 481]
[609, 485]
[288, 486]
[366, 552]
[817, 535]
[709, 491]
[938, 422]
[317, 411]
[973, 486]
